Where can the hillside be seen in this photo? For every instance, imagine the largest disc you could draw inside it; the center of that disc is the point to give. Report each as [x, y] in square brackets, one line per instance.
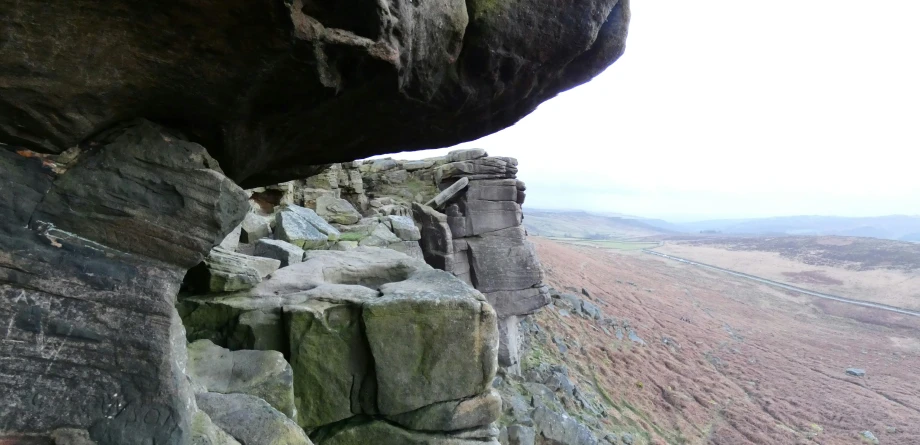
[894, 227]
[712, 359]
[579, 224]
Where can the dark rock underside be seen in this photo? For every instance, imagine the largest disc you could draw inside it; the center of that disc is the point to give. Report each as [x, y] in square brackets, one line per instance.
[272, 88]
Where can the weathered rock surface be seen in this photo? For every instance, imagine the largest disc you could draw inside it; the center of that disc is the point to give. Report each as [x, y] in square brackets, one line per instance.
[204, 432]
[93, 254]
[431, 320]
[336, 210]
[263, 374]
[305, 84]
[504, 261]
[351, 322]
[519, 302]
[255, 227]
[294, 227]
[403, 227]
[283, 251]
[330, 356]
[454, 415]
[365, 431]
[250, 419]
[449, 193]
[227, 271]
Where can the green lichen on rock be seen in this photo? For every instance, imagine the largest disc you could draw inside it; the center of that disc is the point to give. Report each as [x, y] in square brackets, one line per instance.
[420, 331]
[330, 358]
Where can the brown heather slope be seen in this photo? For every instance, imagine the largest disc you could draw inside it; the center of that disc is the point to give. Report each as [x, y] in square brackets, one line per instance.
[732, 362]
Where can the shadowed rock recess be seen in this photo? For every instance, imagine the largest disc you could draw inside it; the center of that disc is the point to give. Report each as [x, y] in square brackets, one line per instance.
[147, 298]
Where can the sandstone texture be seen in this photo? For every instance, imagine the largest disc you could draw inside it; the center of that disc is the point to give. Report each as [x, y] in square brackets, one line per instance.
[273, 89]
[93, 253]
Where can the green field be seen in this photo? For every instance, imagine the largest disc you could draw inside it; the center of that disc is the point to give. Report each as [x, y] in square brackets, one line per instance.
[615, 244]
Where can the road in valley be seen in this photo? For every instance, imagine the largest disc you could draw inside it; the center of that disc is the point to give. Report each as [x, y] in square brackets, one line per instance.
[787, 286]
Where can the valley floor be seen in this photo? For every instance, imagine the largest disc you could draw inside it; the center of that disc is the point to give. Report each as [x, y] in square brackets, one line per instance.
[729, 361]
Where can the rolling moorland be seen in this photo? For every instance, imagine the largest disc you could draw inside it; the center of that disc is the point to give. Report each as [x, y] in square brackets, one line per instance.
[724, 360]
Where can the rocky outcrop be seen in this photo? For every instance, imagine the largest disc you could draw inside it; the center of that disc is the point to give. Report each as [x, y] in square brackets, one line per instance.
[349, 323]
[479, 237]
[93, 248]
[275, 88]
[106, 217]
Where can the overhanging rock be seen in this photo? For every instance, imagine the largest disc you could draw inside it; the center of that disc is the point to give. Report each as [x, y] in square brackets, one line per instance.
[273, 88]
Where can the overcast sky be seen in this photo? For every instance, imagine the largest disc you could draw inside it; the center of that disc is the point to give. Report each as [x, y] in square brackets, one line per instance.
[728, 108]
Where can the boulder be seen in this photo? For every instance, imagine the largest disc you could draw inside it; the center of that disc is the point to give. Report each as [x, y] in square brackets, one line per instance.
[504, 261]
[493, 190]
[264, 374]
[509, 350]
[344, 245]
[418, 165]
[259, 330]
[436, 238]
[293, 227]
[433, 321]
[467, 154]
[519, 302]
[381, 236]
[255, 227]
[232, 241]
[471, 217]
[403, 227]
[227, 271]
[336, 210]
[448, 193]
[330, 357]
[282, 251]
[410, 248]
[521, 435]
[454, 415]
[204, 432]
[561, 429]
[362, 431]
[483, 168]
[250, 419]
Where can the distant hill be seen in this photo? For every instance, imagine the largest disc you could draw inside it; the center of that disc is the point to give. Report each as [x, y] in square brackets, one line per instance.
[894, 227]
[580, 224]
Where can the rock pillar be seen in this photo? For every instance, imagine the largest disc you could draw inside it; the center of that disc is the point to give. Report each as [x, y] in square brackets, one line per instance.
[486, 244]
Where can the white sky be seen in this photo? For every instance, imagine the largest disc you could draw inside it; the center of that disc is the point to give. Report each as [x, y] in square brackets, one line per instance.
[730, 108]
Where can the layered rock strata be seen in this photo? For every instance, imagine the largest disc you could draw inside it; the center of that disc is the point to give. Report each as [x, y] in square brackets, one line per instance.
[93, 249]
[479, 238]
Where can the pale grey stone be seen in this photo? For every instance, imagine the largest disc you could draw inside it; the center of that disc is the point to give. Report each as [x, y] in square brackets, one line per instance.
[448, 193]
[336, 210]
[264, 374]
[467, 154]
[282, 251]
[250, 419]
